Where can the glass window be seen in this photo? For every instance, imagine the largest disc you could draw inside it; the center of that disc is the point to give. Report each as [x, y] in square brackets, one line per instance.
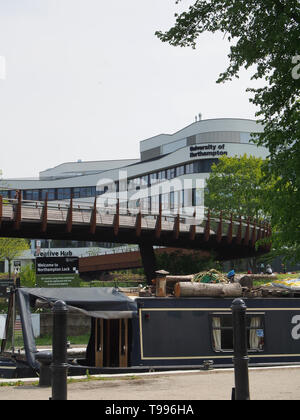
[43, 194]
[133, 183]
[161, 175]
[85, 192]
[51, 194]
[28, 195]
[60, 194]
[4, 193]
[189, 168]
[198, 165]
[180, 170]
[13, 193]
[63, 193]
[76, 192]
[222, 332]
[153, 178]
[171, 173]
[207, 164]
[35, 195]
[145, 181]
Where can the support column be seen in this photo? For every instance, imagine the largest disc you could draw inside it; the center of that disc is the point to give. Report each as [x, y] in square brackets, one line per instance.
[148, 261]
[59, 364]
[240, 359]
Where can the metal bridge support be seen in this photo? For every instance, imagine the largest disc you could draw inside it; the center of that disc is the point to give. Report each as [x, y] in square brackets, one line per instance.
[148, 261]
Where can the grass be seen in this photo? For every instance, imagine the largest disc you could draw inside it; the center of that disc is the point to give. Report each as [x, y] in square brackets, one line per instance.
[46, 340]
[278, 277]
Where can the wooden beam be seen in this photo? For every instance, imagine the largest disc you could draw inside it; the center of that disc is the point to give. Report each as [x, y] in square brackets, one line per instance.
[269, 235]
[247, 233]
[263, 231]
[193, 228]
[207, 228]
[230, 230]
[138, 224]
[44, 220]
[253, 236]
[259, 233]
[70, 217]
[18, 212]
[220, 228]
[93, 222]
[239, 233]
[176, 229]
[117, 219]
[158, 222]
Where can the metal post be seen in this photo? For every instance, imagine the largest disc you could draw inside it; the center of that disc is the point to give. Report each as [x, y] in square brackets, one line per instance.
[240, 359]
[59, 366]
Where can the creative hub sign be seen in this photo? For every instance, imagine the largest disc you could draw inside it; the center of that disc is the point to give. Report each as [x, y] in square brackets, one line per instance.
[57, 272]
[51, 253]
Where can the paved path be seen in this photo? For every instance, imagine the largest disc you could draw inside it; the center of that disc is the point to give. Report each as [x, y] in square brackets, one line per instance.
[265, 384]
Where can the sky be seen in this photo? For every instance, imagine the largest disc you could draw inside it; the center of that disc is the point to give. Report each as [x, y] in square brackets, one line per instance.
[88, 79]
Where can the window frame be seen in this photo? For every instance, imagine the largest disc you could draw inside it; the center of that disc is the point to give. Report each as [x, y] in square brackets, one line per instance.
[252, 314]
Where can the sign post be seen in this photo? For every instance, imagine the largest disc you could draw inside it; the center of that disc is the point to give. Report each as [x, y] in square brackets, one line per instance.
[57, 272]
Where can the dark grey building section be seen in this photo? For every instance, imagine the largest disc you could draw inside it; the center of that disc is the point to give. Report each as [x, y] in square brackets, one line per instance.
[219, 137]
[191, 140]
[150, 154]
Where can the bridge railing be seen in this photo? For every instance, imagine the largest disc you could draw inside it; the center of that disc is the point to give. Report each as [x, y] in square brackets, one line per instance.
[217, 221]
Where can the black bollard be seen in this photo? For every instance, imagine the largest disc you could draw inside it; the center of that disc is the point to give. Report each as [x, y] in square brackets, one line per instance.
[240, 359]
[59, 366]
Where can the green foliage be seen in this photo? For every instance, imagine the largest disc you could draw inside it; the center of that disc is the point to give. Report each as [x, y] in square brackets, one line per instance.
[11, 248]
[179, 263]
[27, 276]
[264, 37]
[235, 185]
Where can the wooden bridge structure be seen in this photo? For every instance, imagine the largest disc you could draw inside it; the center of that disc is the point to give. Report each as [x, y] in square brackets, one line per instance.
[227, 237]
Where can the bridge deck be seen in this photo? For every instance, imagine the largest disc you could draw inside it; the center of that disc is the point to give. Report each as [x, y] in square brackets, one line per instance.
[229, 237]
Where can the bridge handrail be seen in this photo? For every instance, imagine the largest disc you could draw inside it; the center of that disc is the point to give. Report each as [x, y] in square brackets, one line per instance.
[212, 215]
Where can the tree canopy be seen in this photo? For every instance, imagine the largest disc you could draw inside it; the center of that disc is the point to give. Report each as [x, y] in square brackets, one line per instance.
[11, 248]
[235, 186]
[264, 37]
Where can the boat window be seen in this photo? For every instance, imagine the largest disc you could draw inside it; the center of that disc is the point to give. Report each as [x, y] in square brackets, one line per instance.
[222, 332]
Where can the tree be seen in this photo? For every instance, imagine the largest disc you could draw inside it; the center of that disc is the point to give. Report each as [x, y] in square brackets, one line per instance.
[264, 36]
[183, 263]
[11, 248]
[235, 185]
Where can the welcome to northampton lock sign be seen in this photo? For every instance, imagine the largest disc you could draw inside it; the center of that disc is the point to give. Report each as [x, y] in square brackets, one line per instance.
[57, 272]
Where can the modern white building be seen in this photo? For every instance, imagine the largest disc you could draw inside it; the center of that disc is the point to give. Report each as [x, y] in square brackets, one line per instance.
[189, 152]
[171, 170]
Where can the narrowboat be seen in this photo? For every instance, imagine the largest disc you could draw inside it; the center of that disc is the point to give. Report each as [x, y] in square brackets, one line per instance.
[149, 333]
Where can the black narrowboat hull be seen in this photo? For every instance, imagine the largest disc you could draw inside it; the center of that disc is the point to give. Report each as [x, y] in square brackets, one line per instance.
[189, 333]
